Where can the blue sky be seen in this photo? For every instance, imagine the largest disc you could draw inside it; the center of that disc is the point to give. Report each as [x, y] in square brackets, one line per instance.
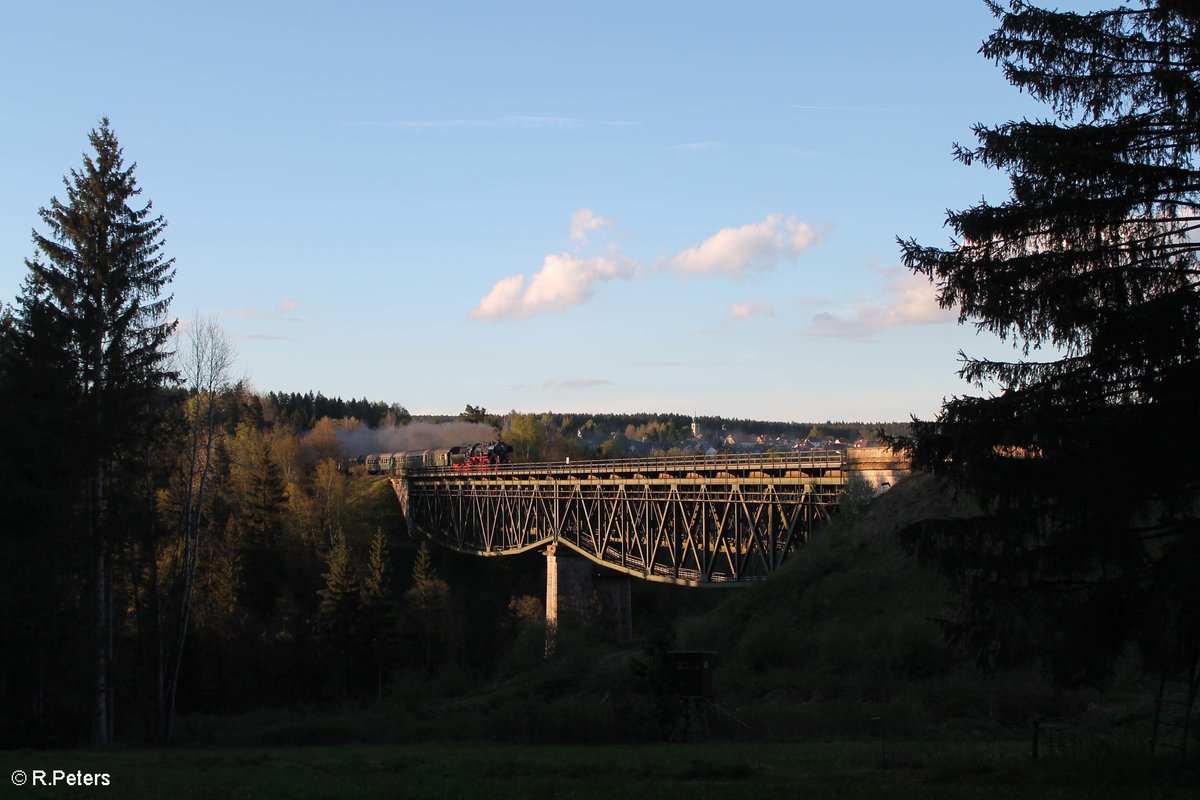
[674, 207]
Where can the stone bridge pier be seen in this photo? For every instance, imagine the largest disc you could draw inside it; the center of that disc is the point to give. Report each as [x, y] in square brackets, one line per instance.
[581, 592]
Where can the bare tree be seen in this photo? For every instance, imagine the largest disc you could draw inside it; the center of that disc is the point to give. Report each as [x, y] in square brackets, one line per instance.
[204, 362]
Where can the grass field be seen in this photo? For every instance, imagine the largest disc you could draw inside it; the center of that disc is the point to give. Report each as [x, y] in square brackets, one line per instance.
[809, 769]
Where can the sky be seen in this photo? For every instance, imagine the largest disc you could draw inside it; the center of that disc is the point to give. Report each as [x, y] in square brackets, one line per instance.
[574, 207]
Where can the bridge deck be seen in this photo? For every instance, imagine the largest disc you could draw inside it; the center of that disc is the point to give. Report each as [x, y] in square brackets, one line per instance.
[685, 520]
[761, 464]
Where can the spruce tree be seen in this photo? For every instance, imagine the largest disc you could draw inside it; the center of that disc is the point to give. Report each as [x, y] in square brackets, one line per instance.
[258, 523]
[1089, 541]
[95, 288]
[43, 565]
[428, 602]
[378, 616]
[339, 609]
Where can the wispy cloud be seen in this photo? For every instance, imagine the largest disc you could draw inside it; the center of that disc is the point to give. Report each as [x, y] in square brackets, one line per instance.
[261, 337]
[868, 109]
[746, 309]
[802, 152]
[694, 148]
[584, 221]
[511, 121]
[280, 312]
[907, 300]
[567, 383]
[566, 280]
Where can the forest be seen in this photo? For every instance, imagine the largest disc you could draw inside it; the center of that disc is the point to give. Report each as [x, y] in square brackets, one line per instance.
[176, 546]
[305, 588]
[176, 543]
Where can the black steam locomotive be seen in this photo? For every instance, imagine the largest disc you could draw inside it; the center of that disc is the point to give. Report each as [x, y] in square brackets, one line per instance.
[461, 458]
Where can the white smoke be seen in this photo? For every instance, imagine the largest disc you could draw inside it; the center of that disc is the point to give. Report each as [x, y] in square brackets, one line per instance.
[414, 436]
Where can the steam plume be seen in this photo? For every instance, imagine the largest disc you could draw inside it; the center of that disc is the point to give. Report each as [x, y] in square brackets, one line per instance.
[414, 436]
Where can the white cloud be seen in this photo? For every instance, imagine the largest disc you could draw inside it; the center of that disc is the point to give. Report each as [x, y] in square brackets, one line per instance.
[909, 300]
[503, 300]
[565, 280]
[759, 245]
[749, 308]
[583, 221]
[914, 302]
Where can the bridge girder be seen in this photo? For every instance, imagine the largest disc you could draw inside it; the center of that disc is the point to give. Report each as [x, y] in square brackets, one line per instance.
[693, 522]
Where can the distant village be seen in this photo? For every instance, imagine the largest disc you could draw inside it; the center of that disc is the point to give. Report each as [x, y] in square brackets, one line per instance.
[729, 438]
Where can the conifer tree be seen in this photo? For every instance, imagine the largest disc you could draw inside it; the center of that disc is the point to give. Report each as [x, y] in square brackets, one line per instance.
[258, 524]
[378, 610]
[1089, 540]
[429, 606]
[340, 602]
[43, 567]
[96, 285]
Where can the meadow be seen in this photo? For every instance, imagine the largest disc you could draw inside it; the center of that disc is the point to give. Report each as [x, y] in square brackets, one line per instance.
[841, 768]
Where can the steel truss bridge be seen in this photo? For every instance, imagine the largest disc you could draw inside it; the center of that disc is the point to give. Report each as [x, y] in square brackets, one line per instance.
[693, 521]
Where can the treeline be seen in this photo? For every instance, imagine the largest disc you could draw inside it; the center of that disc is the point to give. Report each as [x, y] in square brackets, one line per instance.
[676, 427]
[304, 410]
[554, 436]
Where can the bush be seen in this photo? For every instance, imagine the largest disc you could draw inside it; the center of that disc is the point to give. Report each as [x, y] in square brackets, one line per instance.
[771, 640]
[527, 652]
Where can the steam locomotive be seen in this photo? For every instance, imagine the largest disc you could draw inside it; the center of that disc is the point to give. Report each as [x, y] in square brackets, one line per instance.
[461, 458]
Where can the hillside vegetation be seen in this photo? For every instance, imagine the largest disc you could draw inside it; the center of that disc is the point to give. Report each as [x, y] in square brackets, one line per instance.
[840, 640]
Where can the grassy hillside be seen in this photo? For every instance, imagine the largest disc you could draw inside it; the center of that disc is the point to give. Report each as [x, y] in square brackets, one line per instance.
[846, 632]
[840, 641]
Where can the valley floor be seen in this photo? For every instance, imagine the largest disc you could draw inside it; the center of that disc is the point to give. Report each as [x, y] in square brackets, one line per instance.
[845, 768]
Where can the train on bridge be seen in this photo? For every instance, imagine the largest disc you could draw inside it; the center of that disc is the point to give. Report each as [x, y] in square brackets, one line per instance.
[462, 458]
[688, 520]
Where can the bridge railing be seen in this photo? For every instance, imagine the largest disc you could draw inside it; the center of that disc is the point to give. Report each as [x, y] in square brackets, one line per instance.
[812, 459]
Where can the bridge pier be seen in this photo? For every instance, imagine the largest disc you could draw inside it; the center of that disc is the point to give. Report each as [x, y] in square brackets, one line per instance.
[578, 592]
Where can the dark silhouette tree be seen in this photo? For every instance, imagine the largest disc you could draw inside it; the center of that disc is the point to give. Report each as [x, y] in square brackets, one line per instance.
[96, 282]
[258, 524]
[429, 610]
[480, 415]
[338, 618]
[43, 569]
[378, 617]
[1088, 540]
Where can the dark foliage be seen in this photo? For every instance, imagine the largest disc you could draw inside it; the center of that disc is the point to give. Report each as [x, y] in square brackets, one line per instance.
[1090, 540]
[303, 410]
[83, 373]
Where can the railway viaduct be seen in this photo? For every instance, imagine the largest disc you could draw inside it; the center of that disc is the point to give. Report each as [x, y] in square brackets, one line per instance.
[689, 521]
